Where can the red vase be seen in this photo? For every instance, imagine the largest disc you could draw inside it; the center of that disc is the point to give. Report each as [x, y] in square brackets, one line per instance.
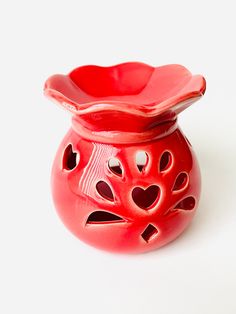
[125, 178]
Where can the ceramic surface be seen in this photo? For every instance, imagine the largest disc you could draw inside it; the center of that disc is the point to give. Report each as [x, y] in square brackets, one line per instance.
[125, 178]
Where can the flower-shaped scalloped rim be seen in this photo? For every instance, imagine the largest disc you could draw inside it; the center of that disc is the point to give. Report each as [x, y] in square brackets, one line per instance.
[127, 87]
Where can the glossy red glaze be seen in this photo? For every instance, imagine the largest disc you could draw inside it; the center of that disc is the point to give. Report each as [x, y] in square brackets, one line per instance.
[125, 179]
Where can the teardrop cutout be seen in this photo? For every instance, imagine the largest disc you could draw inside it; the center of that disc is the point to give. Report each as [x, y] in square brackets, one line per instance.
[115, 166]
[187, 203]
[104, 190]
[165, 161]
[70, 158]
[141, 160]
[180, 181]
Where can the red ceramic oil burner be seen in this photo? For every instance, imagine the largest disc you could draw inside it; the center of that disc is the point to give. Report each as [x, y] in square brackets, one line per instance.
[125, 178]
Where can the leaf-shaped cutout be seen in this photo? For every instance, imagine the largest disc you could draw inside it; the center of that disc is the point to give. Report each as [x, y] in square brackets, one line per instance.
[115, 166]
[141, 160]
[187, 203]
[104, 190]
[103, 217]
[165, 161]
[70, 158]
[181, 181]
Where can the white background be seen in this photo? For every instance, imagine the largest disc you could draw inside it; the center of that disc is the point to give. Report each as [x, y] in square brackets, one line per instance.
[44, 269]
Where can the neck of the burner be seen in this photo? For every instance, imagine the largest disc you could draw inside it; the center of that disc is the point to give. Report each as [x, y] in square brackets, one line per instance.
[123, 128]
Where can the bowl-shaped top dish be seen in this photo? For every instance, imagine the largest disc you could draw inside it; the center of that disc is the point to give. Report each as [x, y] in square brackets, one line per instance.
[149, 90]
[106, 98]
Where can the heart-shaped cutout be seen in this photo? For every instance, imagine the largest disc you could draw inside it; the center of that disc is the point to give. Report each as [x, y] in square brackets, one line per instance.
[145, 198]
